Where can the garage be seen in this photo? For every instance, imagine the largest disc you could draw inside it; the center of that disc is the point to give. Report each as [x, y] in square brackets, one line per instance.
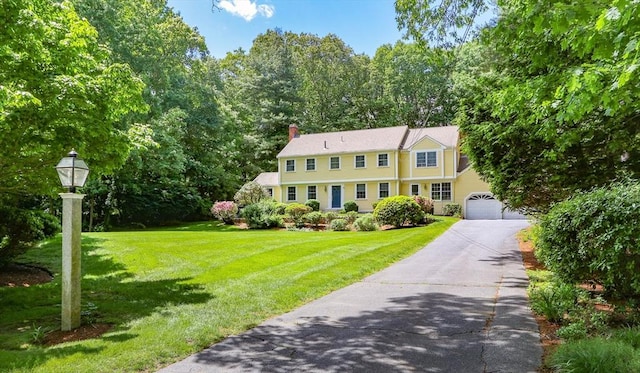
[483, 206]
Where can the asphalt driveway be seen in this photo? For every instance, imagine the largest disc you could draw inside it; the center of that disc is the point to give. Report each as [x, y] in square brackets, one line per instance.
[458, 305]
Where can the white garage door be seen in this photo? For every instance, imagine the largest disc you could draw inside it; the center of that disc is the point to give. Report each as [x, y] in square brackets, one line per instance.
[483, 206]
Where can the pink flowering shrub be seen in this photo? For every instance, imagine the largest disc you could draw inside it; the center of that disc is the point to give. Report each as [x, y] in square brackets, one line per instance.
[225, 211]
[426, 204]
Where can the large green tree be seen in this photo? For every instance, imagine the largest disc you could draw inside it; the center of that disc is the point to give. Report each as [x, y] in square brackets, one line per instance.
[557, 111]
[59, 90]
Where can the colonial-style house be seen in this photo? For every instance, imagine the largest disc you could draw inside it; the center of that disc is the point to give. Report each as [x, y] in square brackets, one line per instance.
[368, 165]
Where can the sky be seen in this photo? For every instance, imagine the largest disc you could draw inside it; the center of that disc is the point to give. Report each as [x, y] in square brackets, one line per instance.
[364, 25]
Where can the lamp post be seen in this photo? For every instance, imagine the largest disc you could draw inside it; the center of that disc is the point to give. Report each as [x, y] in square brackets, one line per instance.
[73, 173]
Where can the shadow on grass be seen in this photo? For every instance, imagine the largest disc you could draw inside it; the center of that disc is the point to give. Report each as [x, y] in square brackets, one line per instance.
[110, 294]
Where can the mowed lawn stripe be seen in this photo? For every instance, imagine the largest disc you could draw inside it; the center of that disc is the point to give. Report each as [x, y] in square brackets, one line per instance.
[170, 293]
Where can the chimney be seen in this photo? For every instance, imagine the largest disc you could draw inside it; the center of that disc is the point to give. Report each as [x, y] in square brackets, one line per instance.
[293, 131]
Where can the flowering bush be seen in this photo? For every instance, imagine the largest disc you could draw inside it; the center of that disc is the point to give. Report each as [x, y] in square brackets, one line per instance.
[225, 211]
[425, 203]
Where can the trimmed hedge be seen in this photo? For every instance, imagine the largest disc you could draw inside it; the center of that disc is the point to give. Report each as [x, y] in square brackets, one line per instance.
[398, 211]
[595, 236]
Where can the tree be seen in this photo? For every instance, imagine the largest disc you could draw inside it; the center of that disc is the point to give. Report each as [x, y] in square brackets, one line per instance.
[59, 91]
[557, 110]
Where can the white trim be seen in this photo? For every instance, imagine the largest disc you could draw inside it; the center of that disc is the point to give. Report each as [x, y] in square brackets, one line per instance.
[285, 165]
[388, 190]
[414, 158]
[378, 160]
[306, 165]
[366, 194]
[309, 186]
[287, 193]
[339, 163]
[408, 179]
[411, 188]
[335, 181]
[430, 138]
[355, 156]
[330, 202]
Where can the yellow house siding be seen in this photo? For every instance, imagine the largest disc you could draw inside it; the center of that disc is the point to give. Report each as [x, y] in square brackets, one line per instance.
[467, 183]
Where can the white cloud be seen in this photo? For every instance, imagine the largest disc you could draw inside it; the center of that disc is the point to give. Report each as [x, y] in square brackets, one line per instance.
[246, 9]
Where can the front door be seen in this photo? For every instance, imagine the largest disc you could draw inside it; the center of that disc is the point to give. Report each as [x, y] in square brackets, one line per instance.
[336, 196]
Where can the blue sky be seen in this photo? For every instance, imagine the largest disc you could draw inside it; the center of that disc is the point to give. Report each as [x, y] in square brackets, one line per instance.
[364, 25]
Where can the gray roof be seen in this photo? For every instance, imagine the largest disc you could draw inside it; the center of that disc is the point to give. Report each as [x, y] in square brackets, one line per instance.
[388, 138]
[447, 136]
[267, 179]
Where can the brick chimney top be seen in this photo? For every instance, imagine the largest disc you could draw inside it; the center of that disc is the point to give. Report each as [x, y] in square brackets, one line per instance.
[293, 131]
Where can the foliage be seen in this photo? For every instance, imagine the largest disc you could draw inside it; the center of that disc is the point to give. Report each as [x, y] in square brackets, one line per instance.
[553, 300]
[568, 87]
[314, 218]
[250, 193]
[262, 215]
[314, 204]
[297, 212]
[594, 236]
[452, 209]
[351, 216]
[365, 223]
[425, 203]
[398, 211]
[21, 228]
[339, 225]
[225, 211]
[596, 355]
[330, 216]
[350, 206]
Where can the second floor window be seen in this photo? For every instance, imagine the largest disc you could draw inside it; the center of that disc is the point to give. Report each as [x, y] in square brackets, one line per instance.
[360, 162]
[383, 160]
[334, 163]
[426, 159]
[311, 164]
[291, 165]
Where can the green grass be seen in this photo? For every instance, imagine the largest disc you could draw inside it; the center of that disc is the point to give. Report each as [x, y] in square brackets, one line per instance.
[174, 291]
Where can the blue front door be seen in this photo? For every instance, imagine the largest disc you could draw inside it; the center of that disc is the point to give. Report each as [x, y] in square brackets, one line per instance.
[336, 197]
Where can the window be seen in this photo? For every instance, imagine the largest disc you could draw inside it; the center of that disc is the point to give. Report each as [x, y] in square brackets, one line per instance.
[312, 192]
[361, 191]
[291, 193]
[291, 165]
[415, 189]
[383, 190]
[441, 191]
[311, 164]
[334, 163]
[360, 162]
[426, 159]
[383, 160]
[270, 191]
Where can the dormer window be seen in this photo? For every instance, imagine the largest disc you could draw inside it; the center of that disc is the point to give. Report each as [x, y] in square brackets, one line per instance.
[426, 159]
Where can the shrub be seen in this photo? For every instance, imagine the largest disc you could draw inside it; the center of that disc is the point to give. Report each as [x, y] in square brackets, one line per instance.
[314, 204]
[350, 206]
[397, 211]
[553, 300]
[365, 223]
[374, 204]
[452, 209]
[21, 228]
[330, 216]
[425, 203]
[595, 355]
[339, 225]
[262, 215]
[297, 211]
[314, 218]
[595, 236]
[250, 193]
[351, 216]
[225, 211]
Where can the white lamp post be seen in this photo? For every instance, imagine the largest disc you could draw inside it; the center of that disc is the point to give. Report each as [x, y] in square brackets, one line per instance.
[73, 173]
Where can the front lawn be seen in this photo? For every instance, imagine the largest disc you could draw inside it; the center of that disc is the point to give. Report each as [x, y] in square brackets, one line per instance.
[172, 292]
